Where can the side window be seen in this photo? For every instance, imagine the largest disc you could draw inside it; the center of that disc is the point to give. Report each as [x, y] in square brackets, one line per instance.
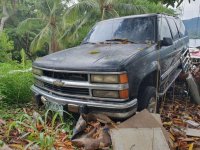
[164, 29]
[181, 27]
[173, 28]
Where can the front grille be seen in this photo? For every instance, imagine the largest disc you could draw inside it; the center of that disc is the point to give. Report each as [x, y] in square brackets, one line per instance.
[66, 76]
[67, 90]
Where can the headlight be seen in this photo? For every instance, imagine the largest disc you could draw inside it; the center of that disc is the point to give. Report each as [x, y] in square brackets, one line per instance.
[105, 94]
[37, 71]
[100, 78]
[123, 94]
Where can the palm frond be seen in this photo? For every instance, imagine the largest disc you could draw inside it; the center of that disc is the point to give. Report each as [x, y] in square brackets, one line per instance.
[48, 5]
[72, 31]
[82, 6]
[111, 14]
[129, 8]
[29, 24]
[40, 39]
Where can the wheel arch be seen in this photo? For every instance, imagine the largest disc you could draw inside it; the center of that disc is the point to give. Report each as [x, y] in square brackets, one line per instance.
[151, 79]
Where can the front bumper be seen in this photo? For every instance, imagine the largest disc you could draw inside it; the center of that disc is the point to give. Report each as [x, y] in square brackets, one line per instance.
[120, 110]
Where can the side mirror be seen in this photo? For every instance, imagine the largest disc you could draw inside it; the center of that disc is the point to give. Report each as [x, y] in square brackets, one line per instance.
[166, 42]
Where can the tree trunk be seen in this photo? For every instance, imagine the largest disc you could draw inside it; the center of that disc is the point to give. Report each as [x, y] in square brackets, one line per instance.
[102, 15]
[102, 9]
[54, 45]
[4, 18]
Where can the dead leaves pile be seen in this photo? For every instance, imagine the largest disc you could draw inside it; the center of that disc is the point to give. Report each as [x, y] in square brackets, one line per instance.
[35, 132]
[180, 118]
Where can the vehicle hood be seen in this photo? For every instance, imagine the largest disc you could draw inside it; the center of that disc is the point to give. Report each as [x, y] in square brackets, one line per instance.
[90, 57]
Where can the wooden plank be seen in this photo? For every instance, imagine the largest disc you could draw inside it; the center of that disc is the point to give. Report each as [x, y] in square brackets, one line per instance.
[138, 139]
[157, 117]
[193, 132]
[143, 119]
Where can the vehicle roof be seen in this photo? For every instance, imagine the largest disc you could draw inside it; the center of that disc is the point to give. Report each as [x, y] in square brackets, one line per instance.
[136, 16]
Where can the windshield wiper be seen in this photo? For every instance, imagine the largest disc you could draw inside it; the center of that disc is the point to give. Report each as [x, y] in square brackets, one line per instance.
[121, 40]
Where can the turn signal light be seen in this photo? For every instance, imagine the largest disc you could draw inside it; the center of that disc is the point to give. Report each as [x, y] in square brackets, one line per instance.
[123, 94]
[123, 78]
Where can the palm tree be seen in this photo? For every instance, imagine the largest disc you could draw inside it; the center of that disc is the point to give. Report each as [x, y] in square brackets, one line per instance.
[92, 11]
[108, 8]
[56, 32]
[49, 16]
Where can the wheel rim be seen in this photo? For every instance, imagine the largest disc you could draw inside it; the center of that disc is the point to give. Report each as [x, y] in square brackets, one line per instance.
[152, 105]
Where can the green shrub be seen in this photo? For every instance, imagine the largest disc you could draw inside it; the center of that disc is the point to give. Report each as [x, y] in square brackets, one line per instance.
[15, 85]
[6, 46]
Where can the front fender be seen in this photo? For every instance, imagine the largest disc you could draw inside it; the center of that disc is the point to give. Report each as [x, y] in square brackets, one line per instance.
[138, 71]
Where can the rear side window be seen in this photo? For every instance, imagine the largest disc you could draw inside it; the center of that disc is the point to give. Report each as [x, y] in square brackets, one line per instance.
[164, 29]
[173, 28]
[181, 27]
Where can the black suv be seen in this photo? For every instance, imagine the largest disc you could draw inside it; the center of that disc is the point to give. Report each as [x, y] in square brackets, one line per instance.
[123, 65]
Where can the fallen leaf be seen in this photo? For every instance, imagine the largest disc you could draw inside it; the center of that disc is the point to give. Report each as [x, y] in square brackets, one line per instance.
[2, 122]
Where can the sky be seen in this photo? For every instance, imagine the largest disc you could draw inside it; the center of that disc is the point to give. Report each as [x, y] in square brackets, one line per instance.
[190, 10]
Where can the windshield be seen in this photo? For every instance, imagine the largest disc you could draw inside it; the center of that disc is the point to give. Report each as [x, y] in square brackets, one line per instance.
[138, 30]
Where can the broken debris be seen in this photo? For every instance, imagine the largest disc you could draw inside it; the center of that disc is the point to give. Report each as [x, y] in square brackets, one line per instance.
[92, 132]
[193, 132]
[181, 119]
[194, 89]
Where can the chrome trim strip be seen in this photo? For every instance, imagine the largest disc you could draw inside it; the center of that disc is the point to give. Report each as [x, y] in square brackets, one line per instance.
[161, 94]
[186, 51]
[83, 72]
[96, 104]
[164, 75]
[82, 84]
[184, 60]
[82, 96]
[186, 63]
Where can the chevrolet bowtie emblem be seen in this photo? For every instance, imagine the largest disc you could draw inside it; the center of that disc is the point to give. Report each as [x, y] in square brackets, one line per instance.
[58, 83]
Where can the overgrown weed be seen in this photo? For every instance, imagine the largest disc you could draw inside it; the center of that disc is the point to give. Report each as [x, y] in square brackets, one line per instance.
[45, 132]
[15, 85]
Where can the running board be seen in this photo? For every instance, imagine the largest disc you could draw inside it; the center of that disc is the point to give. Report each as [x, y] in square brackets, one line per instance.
[169, 83]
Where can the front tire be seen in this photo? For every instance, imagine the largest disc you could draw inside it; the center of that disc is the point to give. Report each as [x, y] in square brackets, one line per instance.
[147, 99]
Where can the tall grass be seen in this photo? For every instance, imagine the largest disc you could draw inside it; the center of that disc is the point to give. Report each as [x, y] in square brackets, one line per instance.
[15, 85]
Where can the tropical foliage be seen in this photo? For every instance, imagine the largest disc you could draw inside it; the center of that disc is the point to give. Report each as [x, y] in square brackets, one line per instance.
[41, 131]
[46, 26]
[172, 3]
[6, 46]
[15, 82]
[49, 22]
